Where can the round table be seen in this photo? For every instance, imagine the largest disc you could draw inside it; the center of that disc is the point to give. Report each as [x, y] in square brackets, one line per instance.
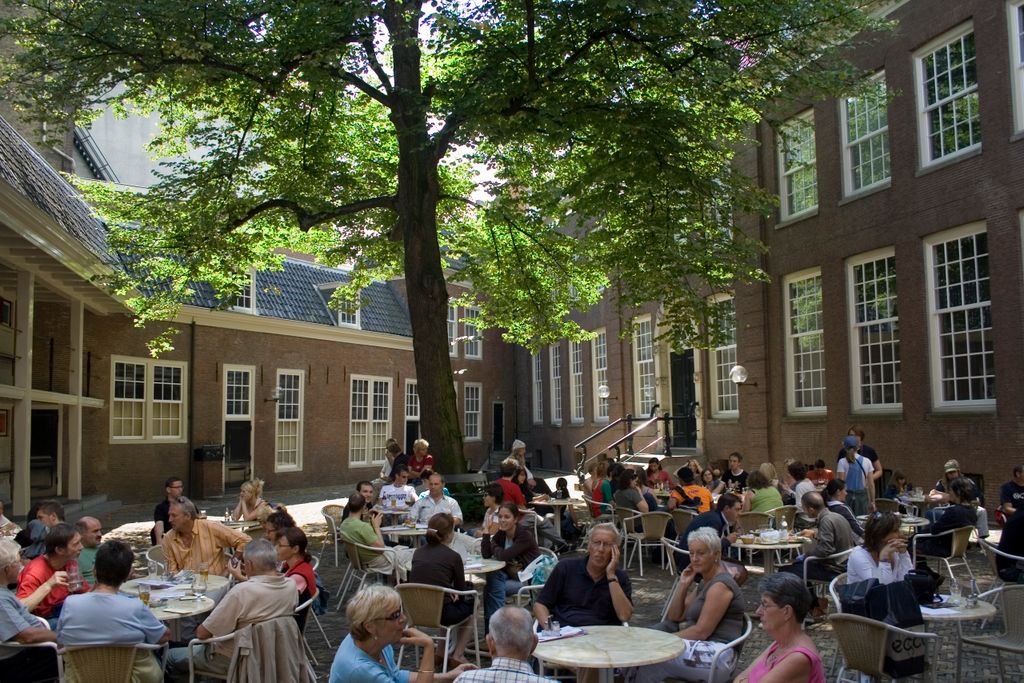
[557, 503]
[905, 520]
[243, 526]
[183, 607]
[213, 583]
[609, 647]
[488, 566]
[960, 614]
[401, 530]
[766, 548]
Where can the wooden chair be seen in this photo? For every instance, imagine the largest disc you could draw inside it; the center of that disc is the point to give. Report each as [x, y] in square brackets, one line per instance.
[107, 663]
[423, 604]
[332, 515]
[958, 549]
[647, 534]
[863, 641]
[1011, 640]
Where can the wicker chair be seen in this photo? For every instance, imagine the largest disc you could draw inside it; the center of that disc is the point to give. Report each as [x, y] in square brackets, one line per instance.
[156, 554]
[11, 648]
[652, 525]
[756, 520]
[958, 549]
[106, 663]
[887, 505]
[862, 642]
[332, 515]
[307, 607]
[1012, 639]
[606, 516]
[992, 554]
[361, 570]
[671, 548]
[717, 674]
[423, 604]
[787, 513]
[682, 517]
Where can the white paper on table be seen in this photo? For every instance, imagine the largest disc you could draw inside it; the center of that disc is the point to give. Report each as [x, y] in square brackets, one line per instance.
[173, 595]
[564, 632]
[156, 584]
[474, 565]
[939, 611]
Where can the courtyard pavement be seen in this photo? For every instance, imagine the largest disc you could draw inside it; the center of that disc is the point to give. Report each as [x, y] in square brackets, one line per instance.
[649, 592]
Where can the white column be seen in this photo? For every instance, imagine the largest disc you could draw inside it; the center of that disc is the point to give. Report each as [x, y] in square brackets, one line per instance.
[74, 488]
[22, 442]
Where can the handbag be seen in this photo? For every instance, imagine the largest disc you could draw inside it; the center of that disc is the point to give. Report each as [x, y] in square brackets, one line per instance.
[853, 597]
[922, 584]
[896, 604]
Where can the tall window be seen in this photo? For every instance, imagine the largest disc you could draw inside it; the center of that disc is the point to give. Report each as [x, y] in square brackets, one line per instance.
[866, 144]
[948, 96]
[370, 420]
[1016, 23]
[555, 366]
[147, 400]
[798, 168]
[537, 394]
[643, 365]
[237, 392]
[599, 359]
[576, 386]
[453, 329]
[725, 393]
[471, 410]
[412, 400]
[288, 442]
[805, 341]
[963, 360]
[876, 332]
[473, 342]
[246, 297]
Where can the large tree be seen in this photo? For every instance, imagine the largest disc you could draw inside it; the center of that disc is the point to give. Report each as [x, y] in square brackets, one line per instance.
[547, 149]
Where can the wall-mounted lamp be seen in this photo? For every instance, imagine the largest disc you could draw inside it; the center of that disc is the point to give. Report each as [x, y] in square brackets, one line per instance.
[275, 395]
[739, 375]
[603, 392]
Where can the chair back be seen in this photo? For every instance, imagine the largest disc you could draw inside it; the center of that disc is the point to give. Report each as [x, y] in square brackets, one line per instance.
[862, 642]
[887, 505]
[682, 518]
[605, 509]
[961, 539]
[156, 554]
[787, 513]
[352, 552]
[1013, 611]
[332, 515]
[422, 603]
[833, 590]
[755, 520]
[623, 521]
[105, 663]
[655, 524]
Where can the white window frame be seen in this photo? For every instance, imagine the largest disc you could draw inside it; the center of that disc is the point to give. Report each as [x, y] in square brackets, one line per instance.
[576, 401]
[453, 330]
[555, 383]
[792, 338]
[1015, 24]
[876, 101]
[473, 344]
[245, 301]
[247, 400]
[645, 369]
[412, 401]
[787, 172]
[867, 341]
[471, 410]
[599, 372]
[934, 314]
[344, 316]
[537, 388]
[725, 394]
[377, 429]
[281, 423]
[923, 110]
[145, 409]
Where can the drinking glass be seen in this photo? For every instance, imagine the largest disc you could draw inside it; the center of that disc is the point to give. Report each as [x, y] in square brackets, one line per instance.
[204, 571]
[144, 594]
[199, 585]
[74, 579]
[954, 593]
[153, 569]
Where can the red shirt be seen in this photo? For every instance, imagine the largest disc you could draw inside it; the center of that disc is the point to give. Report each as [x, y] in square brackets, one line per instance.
[416, 465]
[35, 574]
[305, 570]
[513, 494]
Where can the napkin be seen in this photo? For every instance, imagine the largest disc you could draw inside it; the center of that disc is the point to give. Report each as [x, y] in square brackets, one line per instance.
[564, 632]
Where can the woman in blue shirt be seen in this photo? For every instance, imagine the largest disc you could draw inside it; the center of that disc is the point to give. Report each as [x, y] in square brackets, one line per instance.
[376, 625]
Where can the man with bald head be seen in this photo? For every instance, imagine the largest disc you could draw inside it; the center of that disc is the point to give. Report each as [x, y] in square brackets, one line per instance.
[832, 534]
[91, 531]
[510, 640]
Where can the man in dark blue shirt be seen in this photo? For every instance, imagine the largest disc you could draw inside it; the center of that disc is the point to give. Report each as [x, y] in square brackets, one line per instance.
[591, 590]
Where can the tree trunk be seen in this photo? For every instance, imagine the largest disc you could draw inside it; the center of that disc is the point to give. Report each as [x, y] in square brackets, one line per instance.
[426, 289]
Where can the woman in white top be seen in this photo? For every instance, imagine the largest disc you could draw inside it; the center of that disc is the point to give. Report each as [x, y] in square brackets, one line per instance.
[883, 555]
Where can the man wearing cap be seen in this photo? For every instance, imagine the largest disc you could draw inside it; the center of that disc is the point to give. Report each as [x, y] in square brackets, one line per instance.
[940, 496]
[865, 450]
[856, 471]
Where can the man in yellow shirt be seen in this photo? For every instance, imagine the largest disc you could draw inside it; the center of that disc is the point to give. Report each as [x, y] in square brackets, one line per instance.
[194, 541]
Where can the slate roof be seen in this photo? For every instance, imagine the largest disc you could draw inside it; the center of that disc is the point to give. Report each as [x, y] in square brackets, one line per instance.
[26, 171]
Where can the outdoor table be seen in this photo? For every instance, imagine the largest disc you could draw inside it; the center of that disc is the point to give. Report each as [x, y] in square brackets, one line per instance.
[606, 648]
[557, 503]
[177, 608]
[767, 551]
[905, 520]
[483, 565]
[959, 614]
[242, 525]
[403, 531]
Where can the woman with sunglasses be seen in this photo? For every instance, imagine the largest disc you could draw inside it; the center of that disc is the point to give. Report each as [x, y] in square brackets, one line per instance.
[376, 624]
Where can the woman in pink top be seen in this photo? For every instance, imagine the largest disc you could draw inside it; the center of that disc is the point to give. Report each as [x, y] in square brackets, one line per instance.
[792, 658]
[656, 475]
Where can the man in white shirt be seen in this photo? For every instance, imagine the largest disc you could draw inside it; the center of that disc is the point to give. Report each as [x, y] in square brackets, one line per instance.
[399, 494]
[511, 640]
[434, 502]
[801, 484]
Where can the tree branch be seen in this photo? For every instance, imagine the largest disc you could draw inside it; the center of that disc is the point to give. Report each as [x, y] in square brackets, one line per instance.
[354, 79]
[310, 219]
[375, 65]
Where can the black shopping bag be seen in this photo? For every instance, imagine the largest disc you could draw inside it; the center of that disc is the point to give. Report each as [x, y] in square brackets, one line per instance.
[896, 604]
[853, 597]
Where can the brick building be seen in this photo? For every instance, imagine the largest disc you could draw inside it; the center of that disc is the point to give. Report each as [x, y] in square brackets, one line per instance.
[895, 298]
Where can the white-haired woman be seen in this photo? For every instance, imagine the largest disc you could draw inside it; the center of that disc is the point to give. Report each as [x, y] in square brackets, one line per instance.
[420, 462]
[376, 624]
[711, 614]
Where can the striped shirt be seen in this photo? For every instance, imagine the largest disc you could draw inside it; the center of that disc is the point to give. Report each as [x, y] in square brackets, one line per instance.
[503, 670]
[209, 540]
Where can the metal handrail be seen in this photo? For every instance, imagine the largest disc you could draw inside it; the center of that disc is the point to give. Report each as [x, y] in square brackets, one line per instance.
[629, 436]
[582, 445]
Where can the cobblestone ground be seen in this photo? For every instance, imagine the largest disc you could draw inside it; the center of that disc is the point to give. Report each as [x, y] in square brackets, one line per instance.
[649, 594]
